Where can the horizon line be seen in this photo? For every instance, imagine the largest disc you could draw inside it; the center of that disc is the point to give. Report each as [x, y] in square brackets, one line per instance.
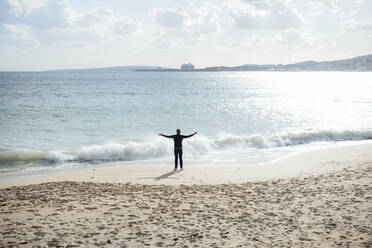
[172, 68]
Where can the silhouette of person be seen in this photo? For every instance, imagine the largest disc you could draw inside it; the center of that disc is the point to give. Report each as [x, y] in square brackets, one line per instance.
[177, 146]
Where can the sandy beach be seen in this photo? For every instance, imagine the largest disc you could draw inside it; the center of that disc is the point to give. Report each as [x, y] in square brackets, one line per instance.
[266, 104]
[319, 198]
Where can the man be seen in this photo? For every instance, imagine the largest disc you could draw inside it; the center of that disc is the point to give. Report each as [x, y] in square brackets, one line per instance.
[177, 146]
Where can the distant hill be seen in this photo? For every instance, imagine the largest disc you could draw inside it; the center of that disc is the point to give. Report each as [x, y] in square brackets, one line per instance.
[361, 63]
[112, 69]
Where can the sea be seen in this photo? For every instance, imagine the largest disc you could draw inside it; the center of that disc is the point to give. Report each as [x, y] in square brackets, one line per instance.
[54, 122]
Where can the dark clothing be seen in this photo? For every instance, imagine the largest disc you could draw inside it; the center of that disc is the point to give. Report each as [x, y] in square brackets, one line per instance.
[178, 139]
[178, 147]
[178, 153]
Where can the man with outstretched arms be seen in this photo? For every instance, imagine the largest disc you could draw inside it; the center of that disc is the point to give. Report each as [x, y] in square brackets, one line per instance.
[177, 146]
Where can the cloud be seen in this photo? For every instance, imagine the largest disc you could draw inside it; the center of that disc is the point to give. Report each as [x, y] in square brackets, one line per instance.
[105, 23]
[169, 18]
[37, 13]
[162, 43]
[20, 8]
[301, 38]
[284, 39]
[359, 1]
[124, 25]
[16, 35]
[210, 31]
[256, 14]
[329, 5]
[54, 14]
[200, 21]
[55, 21]
[361, 25]
[203, 21]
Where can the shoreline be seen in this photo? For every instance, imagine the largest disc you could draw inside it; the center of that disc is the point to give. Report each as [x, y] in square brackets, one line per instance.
[313, 162]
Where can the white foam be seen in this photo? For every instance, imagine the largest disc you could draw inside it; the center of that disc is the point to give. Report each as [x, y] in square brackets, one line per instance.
[290, 139]
[197, 146]
[126, 152]
[58, 156]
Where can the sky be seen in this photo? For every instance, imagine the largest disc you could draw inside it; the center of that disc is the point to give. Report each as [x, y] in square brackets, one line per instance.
[60, 34]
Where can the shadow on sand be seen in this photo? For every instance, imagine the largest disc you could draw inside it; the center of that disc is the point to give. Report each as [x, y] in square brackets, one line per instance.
[164, 176]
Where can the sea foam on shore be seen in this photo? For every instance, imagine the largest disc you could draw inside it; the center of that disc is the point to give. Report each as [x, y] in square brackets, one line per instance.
[259, 148]
[311, 162]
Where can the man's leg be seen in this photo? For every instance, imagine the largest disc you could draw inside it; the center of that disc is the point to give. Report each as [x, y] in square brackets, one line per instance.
[181, 162]
[175, 159]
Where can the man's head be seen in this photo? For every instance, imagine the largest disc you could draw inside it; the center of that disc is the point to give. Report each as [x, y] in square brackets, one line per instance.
[178, 131]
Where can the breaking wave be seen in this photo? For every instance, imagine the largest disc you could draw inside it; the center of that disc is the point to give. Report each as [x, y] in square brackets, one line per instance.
[198, 145]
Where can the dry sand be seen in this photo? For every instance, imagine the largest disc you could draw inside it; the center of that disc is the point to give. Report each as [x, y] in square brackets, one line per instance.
[329, 208]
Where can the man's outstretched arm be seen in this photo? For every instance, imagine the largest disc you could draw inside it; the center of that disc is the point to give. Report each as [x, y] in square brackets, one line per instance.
[166, 136]
[188, 136]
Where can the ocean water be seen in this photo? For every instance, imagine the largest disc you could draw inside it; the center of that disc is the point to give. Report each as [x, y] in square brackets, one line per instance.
[59, 120]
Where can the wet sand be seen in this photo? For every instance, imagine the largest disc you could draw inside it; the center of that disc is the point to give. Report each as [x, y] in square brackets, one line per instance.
[310, 163]
[328, 209]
